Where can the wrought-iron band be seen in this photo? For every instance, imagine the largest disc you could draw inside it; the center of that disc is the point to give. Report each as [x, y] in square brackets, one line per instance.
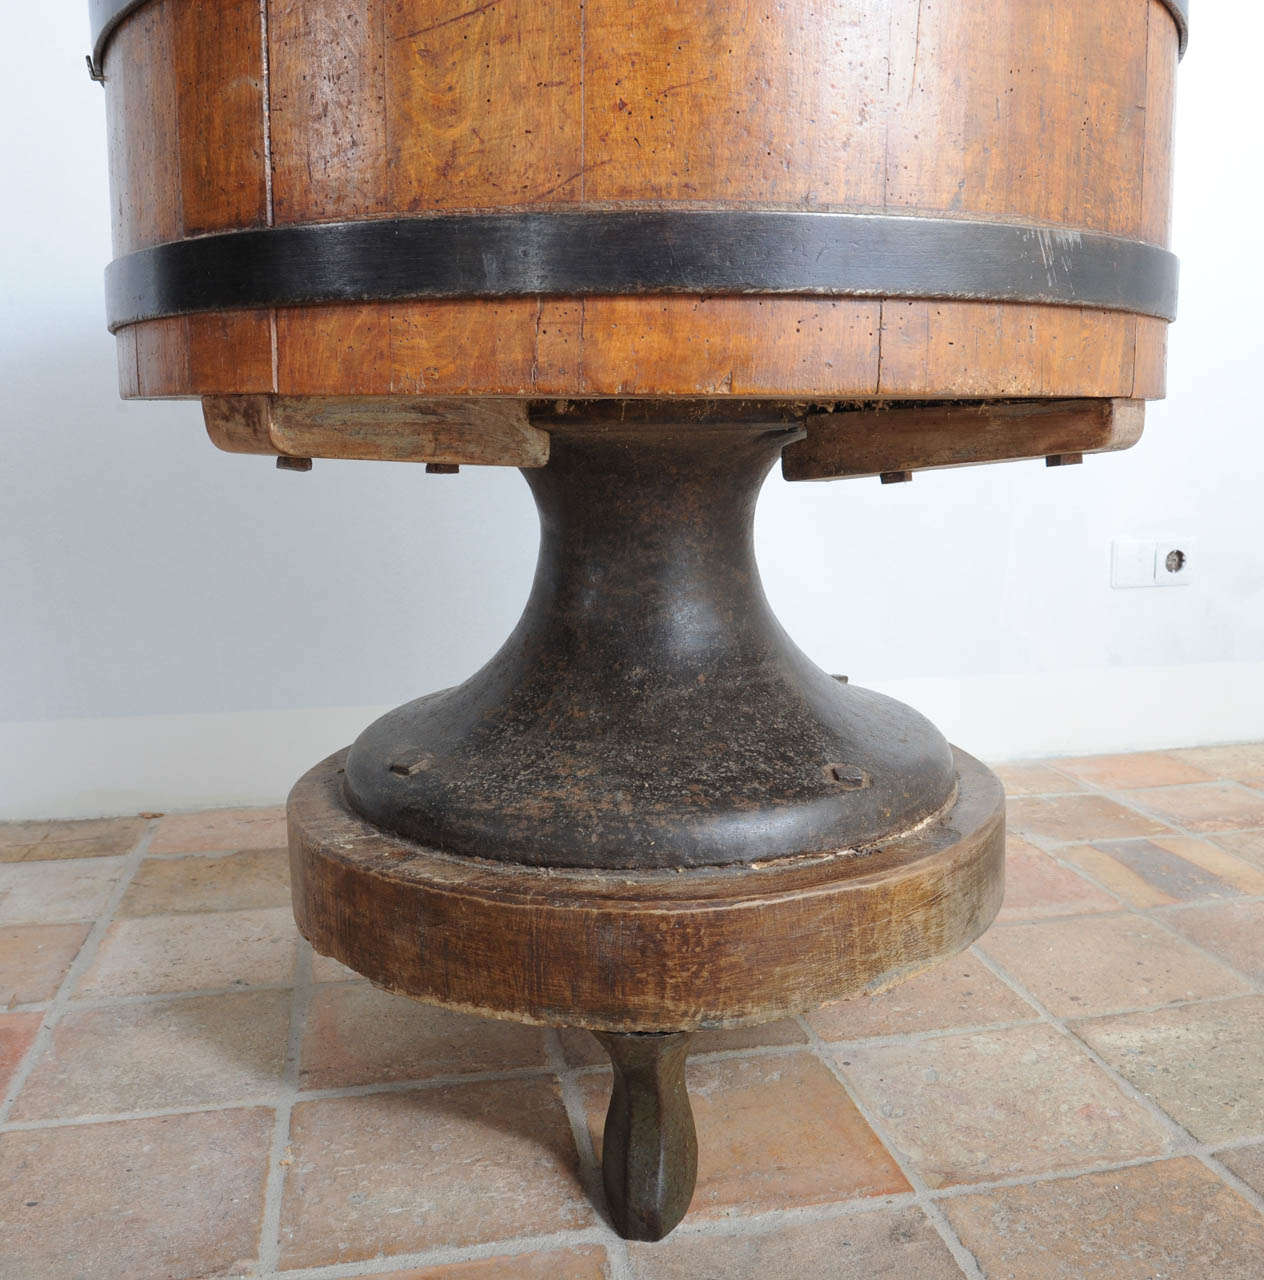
[635, 251]
[1179, 9]
[106, 15]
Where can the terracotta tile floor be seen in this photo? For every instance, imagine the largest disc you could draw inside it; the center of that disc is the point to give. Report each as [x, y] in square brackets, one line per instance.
[186, 1091]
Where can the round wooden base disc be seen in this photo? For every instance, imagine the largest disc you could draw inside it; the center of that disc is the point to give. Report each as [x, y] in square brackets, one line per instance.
[643, 950]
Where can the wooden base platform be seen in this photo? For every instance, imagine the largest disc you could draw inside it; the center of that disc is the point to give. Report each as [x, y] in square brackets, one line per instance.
[643, 951]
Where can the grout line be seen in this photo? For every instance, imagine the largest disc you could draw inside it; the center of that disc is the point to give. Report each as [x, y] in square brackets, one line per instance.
[283, 1090]
[246, 1102]
[58, 1006]
[93, 1003]
[442, 1255]
[1231, 1179]
[1176, 1133]
[179, 855]
[279, 1158]
[919, 1037]
[1155, 914]
[961, 1255]
[1166, 908]
[1184, 1143]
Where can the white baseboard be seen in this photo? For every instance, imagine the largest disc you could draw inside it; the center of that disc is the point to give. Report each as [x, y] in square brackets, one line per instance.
[87, 768]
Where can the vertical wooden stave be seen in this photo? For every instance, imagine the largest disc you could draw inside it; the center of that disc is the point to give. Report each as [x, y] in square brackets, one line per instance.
[378, 41]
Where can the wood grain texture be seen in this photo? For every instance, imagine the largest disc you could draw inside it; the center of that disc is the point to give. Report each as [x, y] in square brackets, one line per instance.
[327, 72]
[1058, 114]
[483, 103]
[981, 349]
[230, 351]
[219, 106]
[729, 346]
[1036, 111]
[693, 101]
[128, 368]
[907, 438]
[642, 951]
[142, 91]
[1150, 372]
[162, 358]
[1162, 55]
[385, 428]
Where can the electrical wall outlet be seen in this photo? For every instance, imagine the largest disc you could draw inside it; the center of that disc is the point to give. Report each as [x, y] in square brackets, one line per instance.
[1153, 562]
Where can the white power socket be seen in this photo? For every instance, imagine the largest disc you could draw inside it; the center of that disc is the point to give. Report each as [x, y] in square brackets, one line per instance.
[1153, 562]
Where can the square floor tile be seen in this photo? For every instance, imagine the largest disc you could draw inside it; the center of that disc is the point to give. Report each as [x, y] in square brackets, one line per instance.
[1139, 769]
[1247, 1163]
[85, 838]
[998, 1104]
[1212, 806]
[1164, 870]
[56, 892]
[1242, 763]
[1038, 886]
[1200, 1063]
[1097, 964]
[1234, 932]
[228, 882]
[961, 992]
[587, 1262]
[221, 831]
[773, 1132]
[34, 959]
[1172, 1220]
[177, 1196]
[357, 1034]
[1247, 845]
[1034, 779]
[193, 953]
[887, 1244]
[17, 1034]
[583, 1050]
[1064, 819]
[164, 1053]
[390, 1173]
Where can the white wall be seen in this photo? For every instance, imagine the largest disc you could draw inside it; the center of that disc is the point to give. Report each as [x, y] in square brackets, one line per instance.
[179, 627]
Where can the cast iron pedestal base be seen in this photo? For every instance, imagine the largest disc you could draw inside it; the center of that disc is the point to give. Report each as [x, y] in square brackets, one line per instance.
[650, 812]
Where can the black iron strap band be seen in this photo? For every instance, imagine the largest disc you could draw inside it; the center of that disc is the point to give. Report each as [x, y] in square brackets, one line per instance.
[106, 15]
[633, 251]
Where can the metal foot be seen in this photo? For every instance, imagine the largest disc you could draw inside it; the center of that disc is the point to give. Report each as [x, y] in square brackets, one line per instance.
[649, 1159]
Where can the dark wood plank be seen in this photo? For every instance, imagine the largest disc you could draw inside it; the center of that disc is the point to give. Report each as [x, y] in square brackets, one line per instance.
[907, 438]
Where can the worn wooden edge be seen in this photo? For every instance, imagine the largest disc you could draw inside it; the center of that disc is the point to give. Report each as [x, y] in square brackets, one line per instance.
[475, 432]
[901, 439]
[647, 951]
